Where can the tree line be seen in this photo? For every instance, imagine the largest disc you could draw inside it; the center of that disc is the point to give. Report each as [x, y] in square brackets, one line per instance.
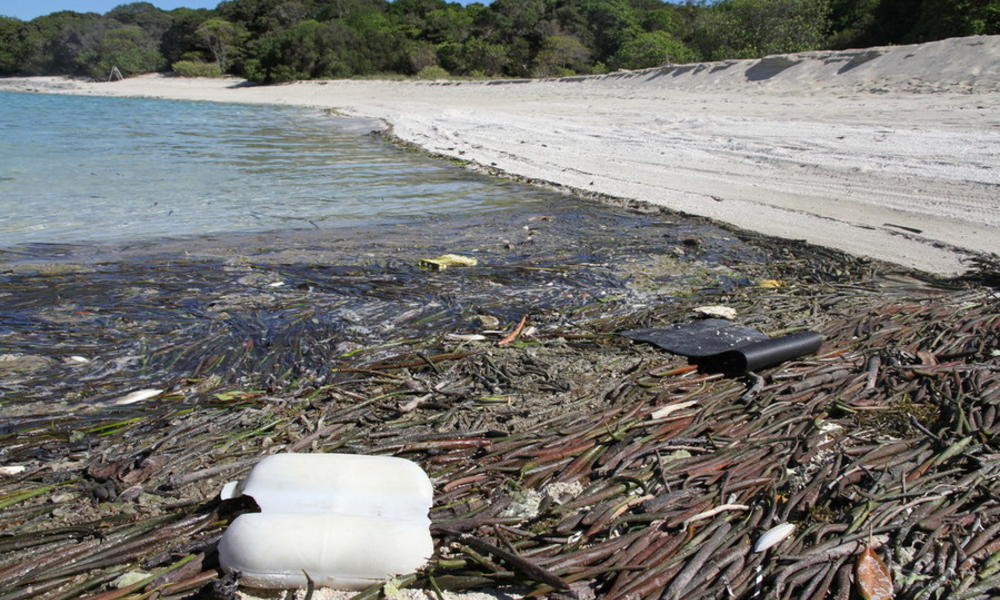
[281, 40]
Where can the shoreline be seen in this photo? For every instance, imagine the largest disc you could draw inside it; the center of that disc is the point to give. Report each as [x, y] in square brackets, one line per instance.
[134, 389]
[871, 161]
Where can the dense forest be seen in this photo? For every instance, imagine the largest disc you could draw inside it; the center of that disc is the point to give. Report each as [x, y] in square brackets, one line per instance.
[281, 40]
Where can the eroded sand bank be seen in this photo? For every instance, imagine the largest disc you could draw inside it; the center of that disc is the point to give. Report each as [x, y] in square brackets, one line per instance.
[892, 152]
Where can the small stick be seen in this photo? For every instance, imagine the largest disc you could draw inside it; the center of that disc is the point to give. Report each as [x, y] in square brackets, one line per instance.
[310, 586]
[513, 334]
[517, 563]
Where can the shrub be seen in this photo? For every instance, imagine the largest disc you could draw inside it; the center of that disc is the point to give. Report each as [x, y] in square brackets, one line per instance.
[128, 48]
[193, 68]
[651, 49]
[561, 55]
[756, 28]
[432, 72]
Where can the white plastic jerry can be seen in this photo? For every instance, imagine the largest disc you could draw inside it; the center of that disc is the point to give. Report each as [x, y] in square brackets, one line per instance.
[346, 520]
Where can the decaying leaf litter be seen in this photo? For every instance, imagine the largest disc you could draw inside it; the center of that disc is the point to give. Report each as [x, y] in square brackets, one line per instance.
[568, 462]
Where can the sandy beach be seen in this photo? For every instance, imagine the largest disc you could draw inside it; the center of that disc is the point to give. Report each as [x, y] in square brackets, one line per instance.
[892, 153]
[567, 459]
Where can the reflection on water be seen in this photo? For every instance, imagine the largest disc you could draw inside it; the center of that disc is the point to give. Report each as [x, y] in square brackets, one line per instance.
[76, 169]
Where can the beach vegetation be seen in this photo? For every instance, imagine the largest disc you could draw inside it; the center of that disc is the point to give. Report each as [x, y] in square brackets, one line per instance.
[57, 41]
[153, 21]
[421, 55]
[561, 55]
[196, 68]
[850, 22]
[756, 28]
[129, 49]
[222, 38]
[279, 40]
[474, 55]
[651, 49]
[938, 19]
[432, 72]
[178, 40]
[13, 45]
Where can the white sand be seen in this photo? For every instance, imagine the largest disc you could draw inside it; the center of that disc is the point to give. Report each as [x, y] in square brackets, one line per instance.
[852, 150]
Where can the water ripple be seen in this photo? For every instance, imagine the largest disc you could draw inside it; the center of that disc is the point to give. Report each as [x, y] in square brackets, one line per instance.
[77, 169]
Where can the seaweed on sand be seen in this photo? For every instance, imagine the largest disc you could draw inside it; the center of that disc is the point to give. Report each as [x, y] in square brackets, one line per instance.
[570, 462]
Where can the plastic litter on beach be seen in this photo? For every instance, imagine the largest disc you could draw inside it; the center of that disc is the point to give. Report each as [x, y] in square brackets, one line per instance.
[720, 345]
[770, 284]
[338, 520]
[448, 260]
[11, 470]
[716, 311]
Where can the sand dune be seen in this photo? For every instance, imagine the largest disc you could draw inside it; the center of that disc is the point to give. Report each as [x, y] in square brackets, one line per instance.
[892, 152]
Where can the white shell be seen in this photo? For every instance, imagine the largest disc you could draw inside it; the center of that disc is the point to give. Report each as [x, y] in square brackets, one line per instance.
[772, 536]
[11, 470]
[466, 337]
[665, 411]
[137, 396]
[722, 312]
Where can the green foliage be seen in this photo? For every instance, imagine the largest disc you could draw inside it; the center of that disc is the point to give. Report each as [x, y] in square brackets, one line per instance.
[128, 48]
[474, 55]
[280, 40]
[663, 18]
[222, 38]
[153, 21]
[432, 72]
[858, 23]
[755, 28]
[651, 49]
[14, 48]
[561, 55]
[307, 50]
[57, 41]
[611, 23]
[195, 68]
[261, 17]
[850, 22]
[180, 37]
[938, 19]
[420, 55]
[449, 24]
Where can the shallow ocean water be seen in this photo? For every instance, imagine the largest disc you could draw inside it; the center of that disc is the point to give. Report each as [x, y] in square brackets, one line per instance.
[81, 169]
[254, 246]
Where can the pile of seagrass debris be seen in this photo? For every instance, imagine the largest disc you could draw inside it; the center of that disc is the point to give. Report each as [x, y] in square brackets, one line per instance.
[569, 461]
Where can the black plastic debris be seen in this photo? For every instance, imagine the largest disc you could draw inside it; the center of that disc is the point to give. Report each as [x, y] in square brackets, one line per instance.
[771, 351]
[707, 337]
[718, 345]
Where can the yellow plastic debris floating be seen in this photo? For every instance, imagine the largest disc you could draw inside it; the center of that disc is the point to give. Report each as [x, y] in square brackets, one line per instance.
[448, 260]
[771, 284]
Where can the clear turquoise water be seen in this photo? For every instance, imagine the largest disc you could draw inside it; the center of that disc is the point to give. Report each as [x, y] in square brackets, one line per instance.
[79, 169]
